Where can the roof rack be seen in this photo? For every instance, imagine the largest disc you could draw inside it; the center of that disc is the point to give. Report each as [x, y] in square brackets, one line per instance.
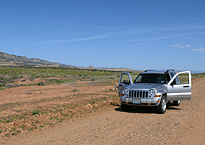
[149, 70]
[170, 70]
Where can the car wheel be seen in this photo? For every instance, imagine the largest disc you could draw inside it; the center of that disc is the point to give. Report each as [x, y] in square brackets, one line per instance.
[177, 103]
[161, 109]
[125, 107]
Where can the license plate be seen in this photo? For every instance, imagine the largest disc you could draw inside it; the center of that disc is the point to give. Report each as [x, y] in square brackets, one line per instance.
[136, 101]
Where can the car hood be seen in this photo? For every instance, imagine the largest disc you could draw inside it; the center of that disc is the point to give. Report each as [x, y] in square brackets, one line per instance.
[144, 86]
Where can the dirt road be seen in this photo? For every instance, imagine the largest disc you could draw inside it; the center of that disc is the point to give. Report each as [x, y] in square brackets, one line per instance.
[179, 125]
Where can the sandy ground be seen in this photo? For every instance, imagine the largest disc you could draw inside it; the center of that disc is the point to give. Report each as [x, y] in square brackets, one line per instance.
[184, 124]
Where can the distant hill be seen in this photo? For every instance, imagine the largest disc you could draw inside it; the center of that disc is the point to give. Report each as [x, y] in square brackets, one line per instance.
[13, 60]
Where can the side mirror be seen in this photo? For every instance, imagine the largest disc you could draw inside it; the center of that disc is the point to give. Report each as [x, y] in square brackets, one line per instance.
[125, 82]
[173, 83]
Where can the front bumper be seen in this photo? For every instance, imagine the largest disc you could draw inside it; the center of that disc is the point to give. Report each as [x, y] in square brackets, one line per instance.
[143, 101]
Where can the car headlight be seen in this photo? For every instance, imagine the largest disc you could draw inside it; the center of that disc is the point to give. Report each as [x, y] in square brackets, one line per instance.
[126, 92]
[152, 92]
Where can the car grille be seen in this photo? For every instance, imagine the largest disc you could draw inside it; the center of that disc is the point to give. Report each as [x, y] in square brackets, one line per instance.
[138, 94]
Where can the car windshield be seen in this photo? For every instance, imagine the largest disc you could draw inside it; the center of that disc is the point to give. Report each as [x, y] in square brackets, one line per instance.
[150, 78]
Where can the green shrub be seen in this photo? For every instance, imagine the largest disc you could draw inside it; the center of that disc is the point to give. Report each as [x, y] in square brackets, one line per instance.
[2, 84]
[34, 112]
[41, 84]
[22, 126]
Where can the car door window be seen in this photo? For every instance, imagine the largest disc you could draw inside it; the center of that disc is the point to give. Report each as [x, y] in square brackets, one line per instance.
[124, 79]
[183, 78]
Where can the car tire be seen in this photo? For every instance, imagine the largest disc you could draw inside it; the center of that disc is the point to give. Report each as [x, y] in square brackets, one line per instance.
[125, 107]
[177, 103]
[161, 109]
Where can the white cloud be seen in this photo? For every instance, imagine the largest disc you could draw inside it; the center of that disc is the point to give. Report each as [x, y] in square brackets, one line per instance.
[199, 49]
[176, 45]
[180, 46]
[74, 40]
[172, 36]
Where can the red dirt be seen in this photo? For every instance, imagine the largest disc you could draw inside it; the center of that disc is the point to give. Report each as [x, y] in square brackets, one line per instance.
[109, 124]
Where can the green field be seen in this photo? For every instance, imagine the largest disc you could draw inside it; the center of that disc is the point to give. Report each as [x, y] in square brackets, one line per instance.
[9, 75]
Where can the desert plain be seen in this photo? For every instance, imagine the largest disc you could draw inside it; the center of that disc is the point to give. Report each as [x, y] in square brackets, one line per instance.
[87, 111]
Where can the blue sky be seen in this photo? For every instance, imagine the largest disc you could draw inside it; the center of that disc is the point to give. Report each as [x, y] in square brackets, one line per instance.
[137, 34]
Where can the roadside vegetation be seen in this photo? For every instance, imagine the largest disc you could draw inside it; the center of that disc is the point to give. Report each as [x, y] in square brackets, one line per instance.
[9, 76]
[197, 75]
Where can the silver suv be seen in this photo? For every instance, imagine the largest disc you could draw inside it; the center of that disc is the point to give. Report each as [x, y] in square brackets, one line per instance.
[155, 89]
